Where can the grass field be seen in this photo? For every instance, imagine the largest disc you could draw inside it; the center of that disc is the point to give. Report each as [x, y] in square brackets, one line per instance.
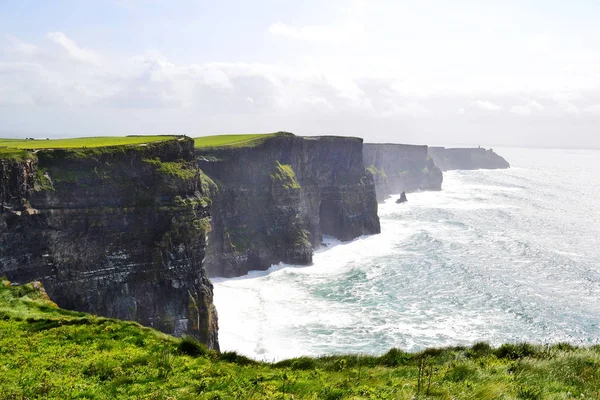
[20, 149]
[98, 141]
[242, 140]
[49, 353]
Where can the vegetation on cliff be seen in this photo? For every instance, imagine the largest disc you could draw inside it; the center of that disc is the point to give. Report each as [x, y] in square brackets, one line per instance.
[285, 177]
[377, 172]
[48, 352]
[180, 169]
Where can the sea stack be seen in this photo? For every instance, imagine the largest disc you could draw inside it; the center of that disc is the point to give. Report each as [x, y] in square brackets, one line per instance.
[402, 198]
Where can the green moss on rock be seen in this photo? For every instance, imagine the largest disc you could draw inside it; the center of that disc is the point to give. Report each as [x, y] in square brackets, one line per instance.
[376, 172]
[181, 169]
[284, 175]
[42, 180]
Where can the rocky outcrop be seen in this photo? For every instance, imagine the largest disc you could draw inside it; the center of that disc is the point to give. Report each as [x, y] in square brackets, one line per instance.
[401, 168]
[116, 231]
[274, 200]
[402, 198]
[467, 158]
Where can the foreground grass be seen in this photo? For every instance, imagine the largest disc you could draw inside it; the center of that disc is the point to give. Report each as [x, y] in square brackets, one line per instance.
[46, 352]
[242, 140]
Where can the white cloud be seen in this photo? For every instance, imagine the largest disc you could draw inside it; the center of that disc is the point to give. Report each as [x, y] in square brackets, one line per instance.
[211, 75]
[540, 42]
[571, 109]
[12, 44]
[408, 109]
[317, 33]
[527, 109]
[76, 52]
[149, 91]
[486, 105]
[593, 109]
[521, 110]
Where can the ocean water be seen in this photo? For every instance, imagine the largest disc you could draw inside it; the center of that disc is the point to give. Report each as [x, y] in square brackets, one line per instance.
[500, 256]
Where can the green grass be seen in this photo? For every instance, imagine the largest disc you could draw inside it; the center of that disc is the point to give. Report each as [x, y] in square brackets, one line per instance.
[181, 169]
[284, 175]
[46, 352]
[74, 143]
[376, 172]
[22, 149]
[14, 154]
[243, 140]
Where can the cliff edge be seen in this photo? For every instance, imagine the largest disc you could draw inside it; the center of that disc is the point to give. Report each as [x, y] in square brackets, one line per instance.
[115, 231]
[467, 158]
[401, 168]
[277, 195]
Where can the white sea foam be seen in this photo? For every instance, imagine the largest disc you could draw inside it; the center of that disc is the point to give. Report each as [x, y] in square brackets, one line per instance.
[497, 255]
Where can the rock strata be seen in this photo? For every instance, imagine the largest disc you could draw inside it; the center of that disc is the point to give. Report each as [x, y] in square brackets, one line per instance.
[116, 231]
[467, 158]
[274, 201]
[402, 198]
[399, 167]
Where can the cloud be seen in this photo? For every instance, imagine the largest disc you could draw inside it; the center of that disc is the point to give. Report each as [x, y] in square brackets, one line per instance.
[521, 110]
[593, 109]
[571, 109]
[527, 109]
[485, 105]
[148, 92]
[346, 32]
[408, 109]
[12, 44]
[76, 52]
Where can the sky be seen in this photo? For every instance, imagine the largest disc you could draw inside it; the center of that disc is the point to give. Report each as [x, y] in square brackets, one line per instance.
[502, 73]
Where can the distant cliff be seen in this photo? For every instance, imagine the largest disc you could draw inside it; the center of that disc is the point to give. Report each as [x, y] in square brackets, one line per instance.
[399, 167]
[116, 231]
[466, 158]
[274, 199]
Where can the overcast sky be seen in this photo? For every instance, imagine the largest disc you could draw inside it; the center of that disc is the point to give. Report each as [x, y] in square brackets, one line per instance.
[503, 72]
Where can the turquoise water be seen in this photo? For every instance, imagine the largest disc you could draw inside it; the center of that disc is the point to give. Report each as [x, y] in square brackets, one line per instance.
[501, 256]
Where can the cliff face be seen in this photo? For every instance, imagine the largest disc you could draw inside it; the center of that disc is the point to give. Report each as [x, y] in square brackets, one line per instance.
[467, 158]
[119, 232]
[277, 199]
[399, 167]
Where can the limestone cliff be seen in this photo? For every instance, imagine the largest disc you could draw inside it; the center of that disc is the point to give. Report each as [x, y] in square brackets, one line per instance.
[401, 168]
[274, 200]
[116, 231]
[467, 158]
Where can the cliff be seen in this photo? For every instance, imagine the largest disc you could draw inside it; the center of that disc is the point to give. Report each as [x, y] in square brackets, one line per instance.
[400, 167]
[115, 231]
[467, 158]
[275, 198]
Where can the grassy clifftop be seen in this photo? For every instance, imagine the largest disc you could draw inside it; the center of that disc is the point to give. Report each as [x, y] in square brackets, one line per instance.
[98, 141]
[242, 140]
[47, 352]
[22, 148]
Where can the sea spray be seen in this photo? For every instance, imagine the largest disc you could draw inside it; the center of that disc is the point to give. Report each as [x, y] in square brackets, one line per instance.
[502, 256]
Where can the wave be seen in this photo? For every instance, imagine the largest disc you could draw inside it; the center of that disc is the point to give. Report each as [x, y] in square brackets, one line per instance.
[500, 256]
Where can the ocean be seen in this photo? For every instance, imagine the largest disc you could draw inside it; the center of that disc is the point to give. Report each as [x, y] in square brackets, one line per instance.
[497, 256]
